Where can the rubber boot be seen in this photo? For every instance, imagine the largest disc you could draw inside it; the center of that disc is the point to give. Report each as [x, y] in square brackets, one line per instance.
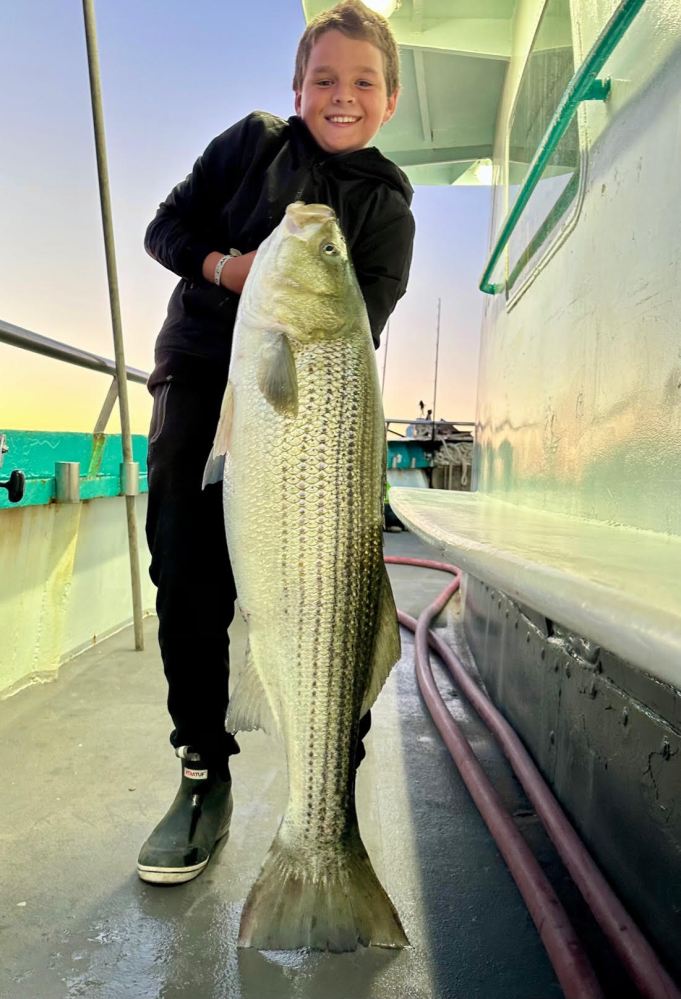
[182, 843]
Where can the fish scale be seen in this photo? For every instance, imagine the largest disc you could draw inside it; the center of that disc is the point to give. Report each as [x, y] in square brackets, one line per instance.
[302, 437]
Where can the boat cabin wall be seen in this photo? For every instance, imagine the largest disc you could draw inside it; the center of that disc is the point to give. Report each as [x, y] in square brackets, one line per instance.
[579, 399]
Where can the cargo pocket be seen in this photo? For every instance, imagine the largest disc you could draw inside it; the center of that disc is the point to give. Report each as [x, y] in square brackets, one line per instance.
[158, 413]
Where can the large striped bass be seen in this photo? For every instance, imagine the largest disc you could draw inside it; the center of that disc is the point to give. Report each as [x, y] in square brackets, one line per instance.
[300, 446]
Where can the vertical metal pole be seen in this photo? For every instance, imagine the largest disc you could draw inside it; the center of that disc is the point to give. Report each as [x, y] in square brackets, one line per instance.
[385, 356]
[107, 224]
[437, 355]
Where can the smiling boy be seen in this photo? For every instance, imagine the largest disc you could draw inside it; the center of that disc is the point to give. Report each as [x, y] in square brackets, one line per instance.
[342, 94]
[346, 86]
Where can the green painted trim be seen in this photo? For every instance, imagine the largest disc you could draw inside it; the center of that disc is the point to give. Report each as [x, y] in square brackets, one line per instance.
[599, 90]
[545, 229]
[35, 453]
[583, 86]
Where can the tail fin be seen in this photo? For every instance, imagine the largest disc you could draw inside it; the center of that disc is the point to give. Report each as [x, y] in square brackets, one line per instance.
[334, 905]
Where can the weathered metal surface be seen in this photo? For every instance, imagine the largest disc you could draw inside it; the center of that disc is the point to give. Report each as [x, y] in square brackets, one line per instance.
[64, 585]
[608, 739]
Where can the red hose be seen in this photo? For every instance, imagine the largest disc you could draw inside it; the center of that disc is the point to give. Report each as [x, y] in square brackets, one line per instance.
[632, 948]
[569, 961]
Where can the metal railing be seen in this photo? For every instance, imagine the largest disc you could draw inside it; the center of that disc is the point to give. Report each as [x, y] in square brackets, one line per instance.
[16, 336]
[24, 339]
[36, 343]
[435, 426]
[582, 87]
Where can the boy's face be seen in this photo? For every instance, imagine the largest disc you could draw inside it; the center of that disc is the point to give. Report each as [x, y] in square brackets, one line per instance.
[344, 100]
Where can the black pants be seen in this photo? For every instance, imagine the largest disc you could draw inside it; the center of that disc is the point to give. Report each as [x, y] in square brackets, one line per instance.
[191, 569]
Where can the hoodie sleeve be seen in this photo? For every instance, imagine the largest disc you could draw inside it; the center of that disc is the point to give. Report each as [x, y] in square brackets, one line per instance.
[181, 235]
[382, 258]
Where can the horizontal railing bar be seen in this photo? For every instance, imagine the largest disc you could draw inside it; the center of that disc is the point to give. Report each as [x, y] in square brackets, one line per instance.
[422, 422]
[15, 336]
[577, 90]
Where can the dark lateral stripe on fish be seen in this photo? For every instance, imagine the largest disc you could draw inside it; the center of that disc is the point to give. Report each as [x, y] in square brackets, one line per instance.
[323, 746]
[338, 574]
[357, 500]
[342, 602]
[327, 817]
[352, 459]
[305, 481]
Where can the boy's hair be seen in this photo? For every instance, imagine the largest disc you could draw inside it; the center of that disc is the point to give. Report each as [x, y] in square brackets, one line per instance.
[355, 20]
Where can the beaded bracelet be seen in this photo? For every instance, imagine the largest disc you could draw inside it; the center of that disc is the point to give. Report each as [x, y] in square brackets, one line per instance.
[221, 263]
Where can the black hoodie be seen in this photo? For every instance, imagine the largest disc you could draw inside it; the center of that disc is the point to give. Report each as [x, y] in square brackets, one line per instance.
[236, 195]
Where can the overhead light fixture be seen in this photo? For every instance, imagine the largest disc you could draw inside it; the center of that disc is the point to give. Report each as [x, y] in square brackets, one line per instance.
[385, 7]
[485, 172]
[480, 173]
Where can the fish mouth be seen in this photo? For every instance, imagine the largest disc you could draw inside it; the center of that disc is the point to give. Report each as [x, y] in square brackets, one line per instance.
[299, 216]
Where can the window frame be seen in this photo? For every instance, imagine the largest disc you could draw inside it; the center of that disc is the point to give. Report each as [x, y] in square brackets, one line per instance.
[566, 223]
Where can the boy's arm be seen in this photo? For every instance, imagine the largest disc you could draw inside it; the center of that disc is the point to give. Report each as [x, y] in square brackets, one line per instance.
[181, 236]
[234, 271]
[382, 257]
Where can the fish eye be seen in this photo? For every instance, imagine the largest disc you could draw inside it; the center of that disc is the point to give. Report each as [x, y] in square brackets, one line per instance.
[330, 249]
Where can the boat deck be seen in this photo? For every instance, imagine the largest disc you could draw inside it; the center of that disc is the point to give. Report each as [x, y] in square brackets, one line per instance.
[88, 772]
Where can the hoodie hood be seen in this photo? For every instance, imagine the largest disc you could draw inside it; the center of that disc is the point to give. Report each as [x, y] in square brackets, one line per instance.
[368, 163]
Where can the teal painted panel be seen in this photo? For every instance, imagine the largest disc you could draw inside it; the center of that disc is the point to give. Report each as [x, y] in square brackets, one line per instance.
[35, 453]
[404, 454]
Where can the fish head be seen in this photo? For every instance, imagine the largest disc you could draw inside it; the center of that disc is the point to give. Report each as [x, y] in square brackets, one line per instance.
[306, 283]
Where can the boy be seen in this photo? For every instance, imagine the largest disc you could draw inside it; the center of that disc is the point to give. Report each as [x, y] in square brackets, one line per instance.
[346, 86]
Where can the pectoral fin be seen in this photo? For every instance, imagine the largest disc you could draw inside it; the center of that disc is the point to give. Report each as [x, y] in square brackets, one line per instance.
[277, 378]
[215, 465]
[387, 648]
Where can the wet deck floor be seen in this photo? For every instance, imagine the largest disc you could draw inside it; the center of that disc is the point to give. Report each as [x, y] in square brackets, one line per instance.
[87, 773]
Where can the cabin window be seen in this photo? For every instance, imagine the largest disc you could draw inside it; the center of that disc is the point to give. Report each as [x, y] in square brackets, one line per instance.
[549, 68]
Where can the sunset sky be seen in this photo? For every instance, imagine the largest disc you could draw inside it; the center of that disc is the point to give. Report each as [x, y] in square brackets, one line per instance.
[173, 76]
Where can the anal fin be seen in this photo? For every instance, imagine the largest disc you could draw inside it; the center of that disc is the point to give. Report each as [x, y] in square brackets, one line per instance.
[387, 646]
[249, 707]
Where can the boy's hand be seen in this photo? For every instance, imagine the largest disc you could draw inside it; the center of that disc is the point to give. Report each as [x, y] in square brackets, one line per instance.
[234, 272]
